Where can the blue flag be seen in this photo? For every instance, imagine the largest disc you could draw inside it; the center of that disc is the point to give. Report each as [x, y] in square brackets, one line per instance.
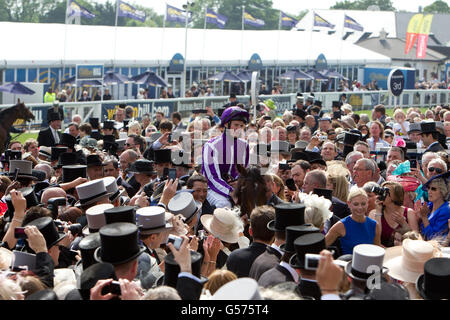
[252, 21]
[126, 10]
[216, 18]
[352, 24]
[287, 21]
[75, 10]
[321, 22]
[176, 15]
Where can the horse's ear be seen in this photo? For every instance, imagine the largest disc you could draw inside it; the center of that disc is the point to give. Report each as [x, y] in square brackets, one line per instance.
[241, 169]
[18, 100]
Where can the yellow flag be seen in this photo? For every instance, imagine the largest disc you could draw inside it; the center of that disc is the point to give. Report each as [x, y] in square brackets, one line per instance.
[414, 27]
[422, 39]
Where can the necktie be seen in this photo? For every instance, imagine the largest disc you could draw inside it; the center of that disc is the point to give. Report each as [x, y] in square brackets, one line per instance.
[56, 136]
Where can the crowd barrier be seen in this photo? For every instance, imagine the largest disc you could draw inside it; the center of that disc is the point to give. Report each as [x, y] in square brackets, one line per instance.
[362, 100]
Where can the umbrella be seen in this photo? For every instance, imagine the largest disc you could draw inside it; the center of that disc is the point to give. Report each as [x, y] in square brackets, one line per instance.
[115, 78]
[317, 75]
[295, 74]
[226, 76]
[16, 88]
[333, 74]
[150, 78]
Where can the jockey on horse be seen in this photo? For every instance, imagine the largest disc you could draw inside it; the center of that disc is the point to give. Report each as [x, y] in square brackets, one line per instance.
[221, 154]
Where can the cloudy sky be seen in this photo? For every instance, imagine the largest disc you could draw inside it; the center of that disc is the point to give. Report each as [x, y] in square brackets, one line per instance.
[290, 6]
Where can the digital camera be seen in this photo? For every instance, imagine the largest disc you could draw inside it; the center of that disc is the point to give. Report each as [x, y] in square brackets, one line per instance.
[382, 193]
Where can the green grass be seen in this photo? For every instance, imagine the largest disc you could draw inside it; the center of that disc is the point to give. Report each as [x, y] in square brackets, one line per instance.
[24, 136]
[389, 112]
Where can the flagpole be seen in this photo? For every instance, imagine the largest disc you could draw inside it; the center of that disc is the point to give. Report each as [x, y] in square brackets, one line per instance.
[278, 43]
[183, 92]
[204, 38]
[65, 40]
[242, 33]
[341, 42]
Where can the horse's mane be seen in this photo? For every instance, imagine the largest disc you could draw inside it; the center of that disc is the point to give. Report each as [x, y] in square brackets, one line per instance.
[251, 189]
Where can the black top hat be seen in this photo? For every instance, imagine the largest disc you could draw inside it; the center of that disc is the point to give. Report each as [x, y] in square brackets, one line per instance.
[220, 111]
[315, 157]
[91, 275]
[53, 116]
[299, 155]
[66, 159]
[326, 193]
[108, 124]
[414, 127]
[94, 160]
[309, 243]
[351, 138]
[293, 232]
[172, 269]
[336, 104]
[109, 138]
[291, 128]
[29, 195]
[318, 103]
[300, 113]
[39, 174]
[428, 127]
[163, 156]
[87, 247]
[56, 151]
[45, 294]
[70, 173]
[143, 166]
[119, 243]
[287, 214]
[434, 283]
[67, 140]
[94, 123]
[48, 228]
[120, 214]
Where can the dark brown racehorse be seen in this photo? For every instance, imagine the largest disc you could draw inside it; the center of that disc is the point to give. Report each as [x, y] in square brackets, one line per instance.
[250, 191]
[8, 116]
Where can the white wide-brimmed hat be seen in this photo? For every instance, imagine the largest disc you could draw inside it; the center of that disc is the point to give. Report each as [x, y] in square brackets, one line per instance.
[406, 262]
[223, 224]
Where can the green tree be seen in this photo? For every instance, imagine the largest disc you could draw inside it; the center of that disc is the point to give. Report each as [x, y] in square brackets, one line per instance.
[437, 7]
[385, 5]
[24, 10]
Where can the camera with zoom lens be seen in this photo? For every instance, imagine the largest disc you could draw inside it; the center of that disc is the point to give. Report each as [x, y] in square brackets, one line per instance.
[382, 193]
[54, 203]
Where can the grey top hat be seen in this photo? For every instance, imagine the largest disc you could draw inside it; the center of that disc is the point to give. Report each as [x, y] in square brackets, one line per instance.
[239, 289]
[153, 219]
[24, 166]
[414, 127]
[95, 217]
[23, 259]
[183, 203]
[300, 144]
[112, 188]
[365, 258]
[91, 192]
[279, 146]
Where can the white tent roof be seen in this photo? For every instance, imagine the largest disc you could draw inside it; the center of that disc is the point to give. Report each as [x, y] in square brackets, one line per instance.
[27, 44]
[372, 21]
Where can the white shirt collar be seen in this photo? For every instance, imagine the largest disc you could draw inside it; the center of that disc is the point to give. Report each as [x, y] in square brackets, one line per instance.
[292, 271]
[277, 248]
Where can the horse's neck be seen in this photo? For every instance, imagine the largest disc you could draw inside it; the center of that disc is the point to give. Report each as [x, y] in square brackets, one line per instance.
[8, 117]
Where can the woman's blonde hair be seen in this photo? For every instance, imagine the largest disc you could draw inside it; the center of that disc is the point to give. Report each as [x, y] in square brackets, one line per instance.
[355, 192]
[217, 279]
[340, 186]
[135, 126]
[441, 186]
[280, 183]
[397, 112]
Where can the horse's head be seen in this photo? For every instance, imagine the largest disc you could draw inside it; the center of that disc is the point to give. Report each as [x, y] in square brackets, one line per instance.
[251, 189]
[23, 112]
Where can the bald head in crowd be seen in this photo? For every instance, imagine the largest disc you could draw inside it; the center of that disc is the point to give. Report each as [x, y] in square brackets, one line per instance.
[53, 192]
[46, 168]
